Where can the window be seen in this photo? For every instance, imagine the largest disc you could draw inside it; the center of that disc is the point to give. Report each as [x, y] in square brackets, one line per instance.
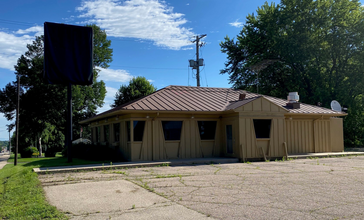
[138, 130]
[128, 130]
[106, 133]
[116, 132]
[172, 130]
[262, 127]
[207, 129]
[138, 127]
[98, 134]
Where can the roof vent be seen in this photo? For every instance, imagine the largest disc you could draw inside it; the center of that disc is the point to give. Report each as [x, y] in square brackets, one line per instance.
[242, 96]
[292, 99]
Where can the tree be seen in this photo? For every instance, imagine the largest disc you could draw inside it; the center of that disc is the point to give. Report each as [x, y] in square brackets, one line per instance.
[137, 88]
[317, 50]
[43, 106]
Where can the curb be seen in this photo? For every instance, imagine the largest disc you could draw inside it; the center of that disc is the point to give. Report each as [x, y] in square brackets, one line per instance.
[97, 167]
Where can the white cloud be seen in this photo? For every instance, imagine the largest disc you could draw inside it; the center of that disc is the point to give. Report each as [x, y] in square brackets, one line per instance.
[13, 45]
[110, 95]
[38, 30]
[115, 75]
[11, 48]
[151, 81]
[143, 19]
[237, 24]
[109, 99]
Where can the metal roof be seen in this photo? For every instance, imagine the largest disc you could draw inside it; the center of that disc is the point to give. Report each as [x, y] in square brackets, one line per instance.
[206, 99]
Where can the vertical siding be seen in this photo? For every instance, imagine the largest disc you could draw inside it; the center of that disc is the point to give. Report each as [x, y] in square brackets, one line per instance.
[337, 135]
[322, 136]
[308, 136]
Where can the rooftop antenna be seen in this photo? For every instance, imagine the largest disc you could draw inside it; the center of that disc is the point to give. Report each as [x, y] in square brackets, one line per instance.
[335, 106]
[257, 67]
[195, 64]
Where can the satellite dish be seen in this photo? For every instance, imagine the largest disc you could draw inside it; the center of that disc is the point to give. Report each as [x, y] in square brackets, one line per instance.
[335, 106]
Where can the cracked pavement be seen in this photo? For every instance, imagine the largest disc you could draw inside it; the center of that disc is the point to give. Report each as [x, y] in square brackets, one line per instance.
[325, 188]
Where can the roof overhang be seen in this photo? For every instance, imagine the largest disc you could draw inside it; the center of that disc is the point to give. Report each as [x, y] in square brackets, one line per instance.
[124, 112]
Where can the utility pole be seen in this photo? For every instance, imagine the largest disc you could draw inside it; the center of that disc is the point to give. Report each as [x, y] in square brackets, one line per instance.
[197, 62]
[17, 125]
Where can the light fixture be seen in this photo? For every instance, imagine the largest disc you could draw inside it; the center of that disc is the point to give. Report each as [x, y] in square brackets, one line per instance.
[192, 117]
[147, 116]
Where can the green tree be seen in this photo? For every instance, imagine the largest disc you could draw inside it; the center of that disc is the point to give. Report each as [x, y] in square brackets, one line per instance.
[312, 47]
[138, 87]
[43, 106]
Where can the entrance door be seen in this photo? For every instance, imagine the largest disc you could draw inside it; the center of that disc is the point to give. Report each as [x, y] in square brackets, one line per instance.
[229, 139]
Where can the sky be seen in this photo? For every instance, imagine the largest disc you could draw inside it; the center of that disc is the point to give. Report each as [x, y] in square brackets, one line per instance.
[149, 38]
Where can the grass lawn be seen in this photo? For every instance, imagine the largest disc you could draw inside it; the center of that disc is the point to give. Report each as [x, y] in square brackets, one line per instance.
[21, 194]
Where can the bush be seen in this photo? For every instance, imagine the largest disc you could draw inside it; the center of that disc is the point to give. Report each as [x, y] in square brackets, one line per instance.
[92, 152]
[29, 152]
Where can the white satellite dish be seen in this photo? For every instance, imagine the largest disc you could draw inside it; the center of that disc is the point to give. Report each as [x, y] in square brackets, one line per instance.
[335, 106]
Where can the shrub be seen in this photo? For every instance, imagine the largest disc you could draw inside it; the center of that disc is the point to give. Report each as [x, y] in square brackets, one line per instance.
[29, 152]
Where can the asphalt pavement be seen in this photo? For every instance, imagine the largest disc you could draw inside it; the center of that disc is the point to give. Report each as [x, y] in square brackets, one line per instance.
[3, 159]
[316, 188]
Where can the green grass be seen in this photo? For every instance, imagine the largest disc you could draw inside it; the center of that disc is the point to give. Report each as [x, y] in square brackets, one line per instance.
[52, 161]
[21, 193]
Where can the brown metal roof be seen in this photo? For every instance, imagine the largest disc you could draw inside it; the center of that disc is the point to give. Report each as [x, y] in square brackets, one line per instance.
[205, 99]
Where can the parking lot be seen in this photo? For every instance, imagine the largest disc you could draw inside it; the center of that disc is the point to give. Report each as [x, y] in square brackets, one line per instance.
[325, 188]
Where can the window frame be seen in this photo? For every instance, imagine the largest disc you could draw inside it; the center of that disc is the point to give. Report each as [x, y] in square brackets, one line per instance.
[134, 131]
[259, 133]
[166, 134]
[214, 130]
[116, 136]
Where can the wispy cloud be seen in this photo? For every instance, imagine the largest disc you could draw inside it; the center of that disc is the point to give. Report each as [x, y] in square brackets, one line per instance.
[38, 30]
[143, 19]
[113, 75]
[237, 24]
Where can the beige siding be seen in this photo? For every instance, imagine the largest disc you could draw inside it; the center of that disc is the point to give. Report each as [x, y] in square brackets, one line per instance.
[261, 105]
[251, 145]
[309, 135]
[322, 136]
[299, 136]
[337, 134]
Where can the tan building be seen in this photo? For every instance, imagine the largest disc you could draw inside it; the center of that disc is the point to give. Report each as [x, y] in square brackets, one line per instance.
[179, 122]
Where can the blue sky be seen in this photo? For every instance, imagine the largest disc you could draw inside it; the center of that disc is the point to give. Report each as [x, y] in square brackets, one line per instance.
[150, 38]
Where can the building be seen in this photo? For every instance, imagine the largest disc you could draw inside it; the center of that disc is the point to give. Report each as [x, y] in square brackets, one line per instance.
[179, 122]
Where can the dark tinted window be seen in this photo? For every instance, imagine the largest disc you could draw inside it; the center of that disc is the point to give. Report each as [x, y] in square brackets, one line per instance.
[116, 132]
[262, 127]
[138, 130]
[207, 130]
[172, 130]
[128, 129]
[106, 133]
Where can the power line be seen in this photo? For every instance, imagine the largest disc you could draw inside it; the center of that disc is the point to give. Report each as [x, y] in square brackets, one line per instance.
[135, 67]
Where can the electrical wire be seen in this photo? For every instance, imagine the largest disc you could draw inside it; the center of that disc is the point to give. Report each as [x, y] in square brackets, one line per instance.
[136, 67]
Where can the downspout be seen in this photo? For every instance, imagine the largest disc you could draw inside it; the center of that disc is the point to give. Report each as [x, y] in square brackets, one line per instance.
[314, 131]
